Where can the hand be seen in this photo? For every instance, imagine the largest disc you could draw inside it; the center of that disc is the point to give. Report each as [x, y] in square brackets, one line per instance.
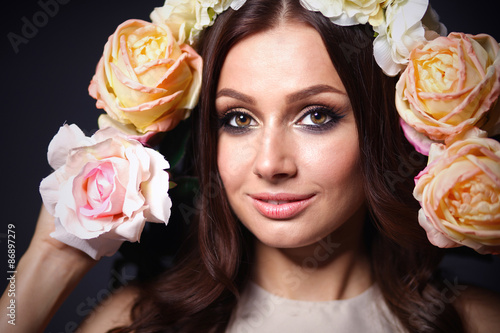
[42, 241]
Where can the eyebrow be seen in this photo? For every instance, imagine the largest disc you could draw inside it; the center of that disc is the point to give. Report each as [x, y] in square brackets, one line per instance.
[311, 91]
[290, 98]
[228, 92]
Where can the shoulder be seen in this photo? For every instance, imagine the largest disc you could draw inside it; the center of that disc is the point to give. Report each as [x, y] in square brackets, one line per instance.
[480, 309]
[113, 312]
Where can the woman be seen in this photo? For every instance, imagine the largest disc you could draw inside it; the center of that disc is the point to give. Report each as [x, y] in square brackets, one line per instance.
[305, 206]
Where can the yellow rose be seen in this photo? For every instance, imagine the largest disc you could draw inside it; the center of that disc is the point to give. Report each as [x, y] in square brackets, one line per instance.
[145, 81]
[459, 192]
[450, 84]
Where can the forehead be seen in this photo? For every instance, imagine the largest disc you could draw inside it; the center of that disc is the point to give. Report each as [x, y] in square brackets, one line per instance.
[289, 56]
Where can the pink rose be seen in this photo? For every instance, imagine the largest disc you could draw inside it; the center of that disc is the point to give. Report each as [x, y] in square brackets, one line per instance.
[449, 86]
[145, 81]
[459, 192]
[103, 189]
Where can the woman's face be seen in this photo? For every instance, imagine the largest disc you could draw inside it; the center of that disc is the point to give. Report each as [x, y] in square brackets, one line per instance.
[288, 150]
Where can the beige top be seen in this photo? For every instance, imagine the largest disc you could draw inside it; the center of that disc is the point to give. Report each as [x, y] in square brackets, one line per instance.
[262, 312]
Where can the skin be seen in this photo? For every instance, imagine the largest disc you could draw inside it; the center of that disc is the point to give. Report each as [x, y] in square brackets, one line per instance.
[288, 132]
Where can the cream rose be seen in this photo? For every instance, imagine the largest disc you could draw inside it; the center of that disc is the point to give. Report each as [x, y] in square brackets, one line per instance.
[348, 12]
[103, 189]
[400, 32]
[450, 84]
[459, 192]
[187, 18]
[145, 81]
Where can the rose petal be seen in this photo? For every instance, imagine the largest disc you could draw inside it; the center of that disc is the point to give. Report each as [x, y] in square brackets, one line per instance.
[150, 138]
[418, 140]
[435, 236]
[131, 229]
[68, 137]
[49, 190]
[382, 52]
[236, 4]
[95, 248]
[137, 173]
[155, 191]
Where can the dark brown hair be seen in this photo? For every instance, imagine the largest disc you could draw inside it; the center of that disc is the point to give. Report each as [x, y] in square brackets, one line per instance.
[200, 292]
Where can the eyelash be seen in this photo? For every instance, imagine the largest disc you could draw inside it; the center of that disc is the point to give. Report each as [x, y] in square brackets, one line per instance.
[228, 117]
[332, 114]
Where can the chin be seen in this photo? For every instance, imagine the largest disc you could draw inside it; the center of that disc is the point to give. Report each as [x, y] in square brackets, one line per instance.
[288, 234]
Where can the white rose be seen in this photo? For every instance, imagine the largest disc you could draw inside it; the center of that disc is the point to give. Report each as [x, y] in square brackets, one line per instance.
[347, 12]
[400, 33]
[103, 190]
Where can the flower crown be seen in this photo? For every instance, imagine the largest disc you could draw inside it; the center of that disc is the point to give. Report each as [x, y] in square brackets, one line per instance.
[105, 187]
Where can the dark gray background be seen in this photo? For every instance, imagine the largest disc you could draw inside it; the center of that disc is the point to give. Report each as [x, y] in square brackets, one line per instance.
[45, 84]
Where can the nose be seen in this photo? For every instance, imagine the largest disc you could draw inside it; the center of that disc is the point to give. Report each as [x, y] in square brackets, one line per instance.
[275, 156]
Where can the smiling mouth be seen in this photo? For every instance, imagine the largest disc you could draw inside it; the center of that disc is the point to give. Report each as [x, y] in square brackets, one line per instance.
[280, 206]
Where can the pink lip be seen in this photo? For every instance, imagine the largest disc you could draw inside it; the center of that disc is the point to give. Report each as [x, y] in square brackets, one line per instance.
[294, 204]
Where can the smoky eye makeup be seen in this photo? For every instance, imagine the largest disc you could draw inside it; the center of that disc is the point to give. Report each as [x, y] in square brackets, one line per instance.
[320, 118]
[236, 121]
[316, 118]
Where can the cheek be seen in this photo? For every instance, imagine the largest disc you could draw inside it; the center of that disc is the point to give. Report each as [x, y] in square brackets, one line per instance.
[336, 160]
[234, 160]
[337, 170]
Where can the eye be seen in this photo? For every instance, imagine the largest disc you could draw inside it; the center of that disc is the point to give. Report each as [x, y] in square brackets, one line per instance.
[240, 120]
[315, 118]
[236, 122]
[319, 118]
